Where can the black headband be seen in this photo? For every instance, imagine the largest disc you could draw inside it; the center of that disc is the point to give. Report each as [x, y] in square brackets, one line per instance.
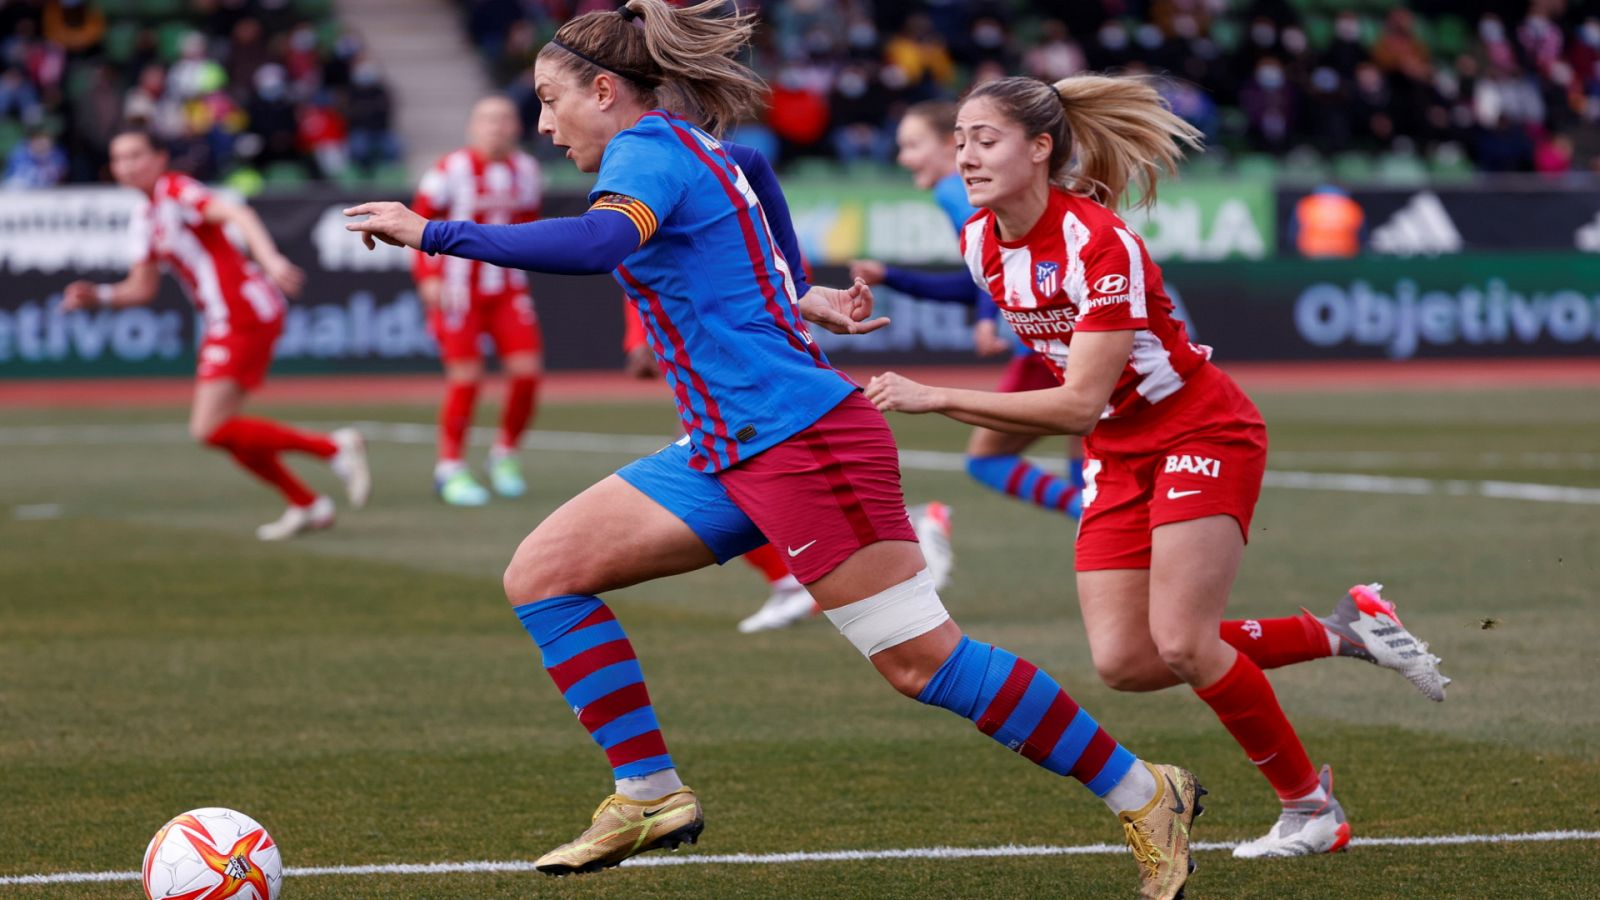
[628, 14]
[644, 81]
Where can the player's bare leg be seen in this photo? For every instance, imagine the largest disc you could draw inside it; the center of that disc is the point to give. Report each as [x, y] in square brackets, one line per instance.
[610, 536]
[451, 479]
[255, 444]
[523, 373]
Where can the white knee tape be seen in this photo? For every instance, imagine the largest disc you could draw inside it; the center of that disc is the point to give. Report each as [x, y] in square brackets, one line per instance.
[907, 610]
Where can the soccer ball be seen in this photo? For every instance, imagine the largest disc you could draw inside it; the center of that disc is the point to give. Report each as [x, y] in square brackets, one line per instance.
[212, 853]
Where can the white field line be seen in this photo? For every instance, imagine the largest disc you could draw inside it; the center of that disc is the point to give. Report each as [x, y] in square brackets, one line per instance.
[776, 859]
[925, 460]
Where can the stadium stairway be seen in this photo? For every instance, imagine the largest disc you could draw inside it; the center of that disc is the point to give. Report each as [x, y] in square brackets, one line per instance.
[433, 71]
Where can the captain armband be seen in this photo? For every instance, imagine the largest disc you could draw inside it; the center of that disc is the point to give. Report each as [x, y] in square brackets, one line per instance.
[642, 217]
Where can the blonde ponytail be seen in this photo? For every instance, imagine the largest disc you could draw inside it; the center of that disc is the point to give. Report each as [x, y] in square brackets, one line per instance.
[682, 59]
[1122, 134]
[1109, 132]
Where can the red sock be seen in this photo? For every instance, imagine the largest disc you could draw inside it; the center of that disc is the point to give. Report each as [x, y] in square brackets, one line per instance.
[1248, 708]
[521, 395]
[455, 416]
[266, 465]
[265, 434]
[1271, 643]
[767, 558]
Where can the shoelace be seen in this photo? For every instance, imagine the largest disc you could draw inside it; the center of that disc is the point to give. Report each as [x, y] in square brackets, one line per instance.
[1142, 845]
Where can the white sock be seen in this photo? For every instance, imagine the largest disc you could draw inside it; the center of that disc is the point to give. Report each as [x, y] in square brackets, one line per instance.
[649, 787]
[1134, 791]
[1316, 797]
[499, 452]
[444, 468]
[786, 583]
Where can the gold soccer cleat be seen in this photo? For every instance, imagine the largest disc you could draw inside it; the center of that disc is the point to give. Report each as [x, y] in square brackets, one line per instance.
[1158, 834]
[624, 827]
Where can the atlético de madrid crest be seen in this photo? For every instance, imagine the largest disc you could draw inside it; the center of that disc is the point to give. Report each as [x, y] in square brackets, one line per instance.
[1047, 277]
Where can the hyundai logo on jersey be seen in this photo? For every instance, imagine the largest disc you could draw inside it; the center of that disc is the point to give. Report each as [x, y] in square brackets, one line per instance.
[1047, 277]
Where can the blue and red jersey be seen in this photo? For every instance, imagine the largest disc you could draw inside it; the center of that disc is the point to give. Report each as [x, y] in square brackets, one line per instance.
[715, 293]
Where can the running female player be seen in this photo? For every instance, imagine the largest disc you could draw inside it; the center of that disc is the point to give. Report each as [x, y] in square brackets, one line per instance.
[926, 137]
[490, 181]
[1174, 450]
[180, 228]
[779, 444]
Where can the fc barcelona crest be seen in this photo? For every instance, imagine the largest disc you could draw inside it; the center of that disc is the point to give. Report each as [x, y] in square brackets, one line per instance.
[1047, 277]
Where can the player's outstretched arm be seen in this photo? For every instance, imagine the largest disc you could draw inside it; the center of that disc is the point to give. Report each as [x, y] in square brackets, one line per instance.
[139, 287]
[1098, 359]
[593, 243]
[279, 270]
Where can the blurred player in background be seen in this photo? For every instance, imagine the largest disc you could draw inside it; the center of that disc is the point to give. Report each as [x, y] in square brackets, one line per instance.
[241, 303]
[1175, 452]
[779, 445]
[493, 182]
[926, 138]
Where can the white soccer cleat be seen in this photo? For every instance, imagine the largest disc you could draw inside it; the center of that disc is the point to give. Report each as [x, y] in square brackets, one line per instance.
[790, 603]
[1304, 829]
[298, 519]
[1369, 628]
[350, 465]
[931, 522]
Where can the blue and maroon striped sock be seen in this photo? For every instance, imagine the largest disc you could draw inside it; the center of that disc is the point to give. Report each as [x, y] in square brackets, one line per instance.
[1022, 707]
[591, 661]
[1016, 477]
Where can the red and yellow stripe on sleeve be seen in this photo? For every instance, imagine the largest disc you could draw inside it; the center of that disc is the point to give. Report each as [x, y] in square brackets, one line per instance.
[642, 217]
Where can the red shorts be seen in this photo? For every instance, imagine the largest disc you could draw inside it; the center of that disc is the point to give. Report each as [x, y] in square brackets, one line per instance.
[1203, 456]
[242, 356]
[1027, 372]
[826, 492]
[508, 319]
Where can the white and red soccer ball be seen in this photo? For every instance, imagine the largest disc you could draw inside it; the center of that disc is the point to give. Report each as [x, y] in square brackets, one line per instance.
[212, 854]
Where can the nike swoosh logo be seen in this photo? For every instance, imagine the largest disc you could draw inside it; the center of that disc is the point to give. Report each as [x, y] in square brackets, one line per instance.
[991, 278]
[1175, 494]
[1177, 797]
[793, 551]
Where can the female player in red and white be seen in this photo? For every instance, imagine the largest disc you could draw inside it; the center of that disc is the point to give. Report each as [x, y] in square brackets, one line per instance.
[1174, 451]
[241, 303]
[492, 182]
[926, 138]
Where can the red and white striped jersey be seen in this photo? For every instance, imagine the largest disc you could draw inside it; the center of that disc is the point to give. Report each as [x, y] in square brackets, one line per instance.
[230, 291]
[466, 186]
[1082, 269]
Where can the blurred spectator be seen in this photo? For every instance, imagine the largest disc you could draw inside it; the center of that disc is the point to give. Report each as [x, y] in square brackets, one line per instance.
[920, 53]
[372, 139]
[73, 25]
[1268, 102]
[324, 135]
[35, 163]
[272, 116]
[1055, 56]
[19, 99]
[858, 102]
[247, 51]
[1553, 155]
[150, 103]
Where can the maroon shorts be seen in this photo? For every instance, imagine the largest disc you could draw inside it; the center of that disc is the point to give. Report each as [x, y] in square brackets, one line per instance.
[826, 492]
[508, 319]
[1027, 372]
[242, 357]
[1204, 456]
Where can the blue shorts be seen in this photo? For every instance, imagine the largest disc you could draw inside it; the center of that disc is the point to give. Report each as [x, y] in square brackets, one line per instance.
[695, 497]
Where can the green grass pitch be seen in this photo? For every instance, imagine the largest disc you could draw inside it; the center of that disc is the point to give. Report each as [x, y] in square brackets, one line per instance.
[366, 694]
